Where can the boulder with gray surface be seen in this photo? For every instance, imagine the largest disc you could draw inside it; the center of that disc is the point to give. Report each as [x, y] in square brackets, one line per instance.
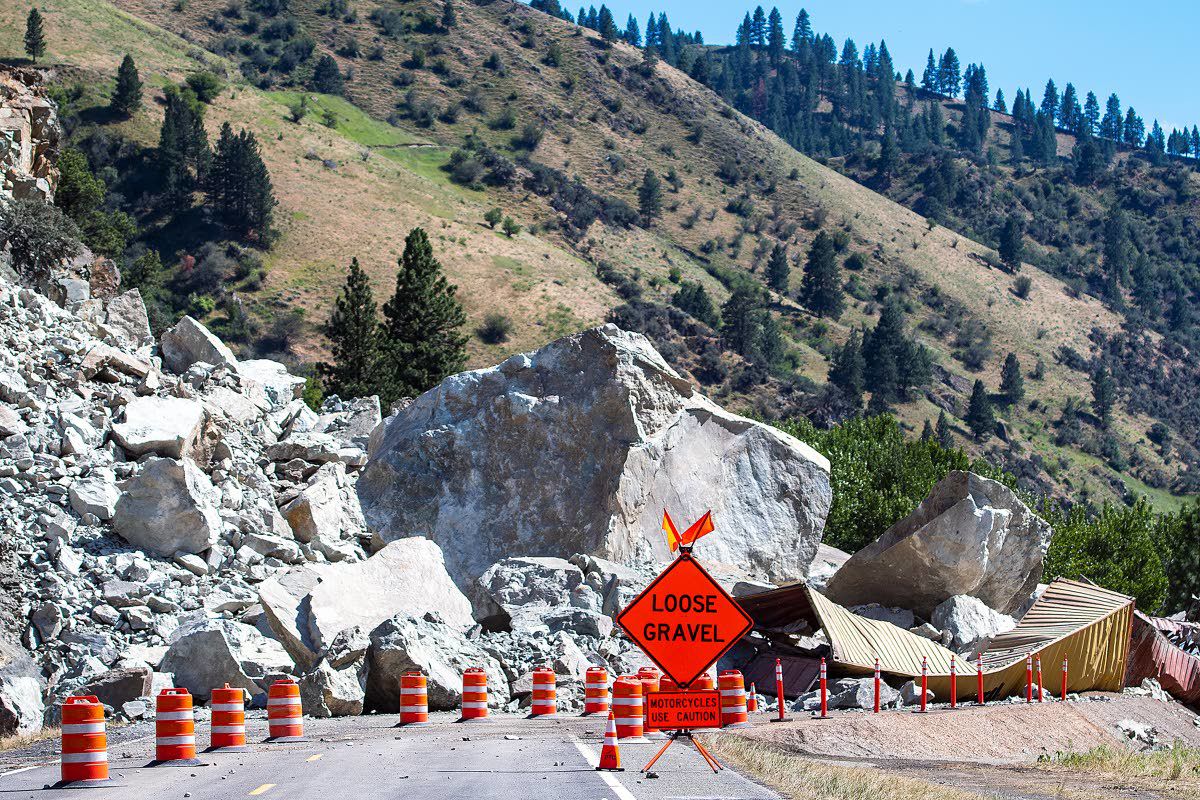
[126, 318]
[21, 688]
[165, 426]
[969, 623]
[169, 507]
[970, 536]
[539, 595]
[577, 448]
[207, 653]
[189, 342]
[441, 651]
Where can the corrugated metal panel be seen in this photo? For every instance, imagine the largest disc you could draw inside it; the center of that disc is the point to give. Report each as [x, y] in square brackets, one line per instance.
[856, 641]
[780, 608]
[1152, 655]
[1081, 622]
[799, 674]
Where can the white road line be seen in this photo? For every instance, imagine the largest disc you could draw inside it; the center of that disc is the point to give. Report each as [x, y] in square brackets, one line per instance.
[18, 770]
[592, 759]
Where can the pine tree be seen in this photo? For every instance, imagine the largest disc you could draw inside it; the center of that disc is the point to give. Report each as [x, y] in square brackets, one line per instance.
[422, 320]
[182, 146]
[847, 369]
[633, 34]
[1091, 114]
[1133, 130]
[127, 96]
[1110, 126]
[740, 322]
[650, 198]
[1116, 247]
[1069, 114]
[449, 15]
[1012, 384]
[802, 34]
[775, 37]
[979, 417]
[778, 270]
[607, 25]
[927, 432]
[1012, 243]
[239, 185]
[949, 77]
[999, 104]
[1049, 105]
[945, 435]
[758, 28]
[821, 286]
[327, 78]
[693, 299]
[889, 158]
[1104, 394]
[929, 78]
[354, 338]
[35, 35]
[894, 362]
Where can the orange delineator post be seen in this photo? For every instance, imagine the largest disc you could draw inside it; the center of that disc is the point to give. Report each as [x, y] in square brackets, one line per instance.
[877, 682]
[174, 727]
[733, 699]
[627, 707]
[474, 695]
[979, 679]
[228, 729]
[1064, 686]
[285, 714]
[414, 699]
[610, 753]
[1029, 679]
[650, 677]
[779, 691]
[84, 756]
[1041, 694]
[824, 691]
[595, 691]
[953, 682]
[924, 685]
[545, 693]
[752, 699]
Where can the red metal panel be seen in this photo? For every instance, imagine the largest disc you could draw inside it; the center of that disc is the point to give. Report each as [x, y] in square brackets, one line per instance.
[799, 673]
[1151, 655]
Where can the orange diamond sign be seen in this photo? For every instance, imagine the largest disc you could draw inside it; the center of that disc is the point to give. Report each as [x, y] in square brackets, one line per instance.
[684, 620]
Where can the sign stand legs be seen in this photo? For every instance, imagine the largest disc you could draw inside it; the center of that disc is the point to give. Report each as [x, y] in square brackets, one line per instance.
[707, 756]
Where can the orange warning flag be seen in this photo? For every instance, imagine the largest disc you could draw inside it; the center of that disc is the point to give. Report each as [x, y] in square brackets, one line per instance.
[699, 528]
[668, 527]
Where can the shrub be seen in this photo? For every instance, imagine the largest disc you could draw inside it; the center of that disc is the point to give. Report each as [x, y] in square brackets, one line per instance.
[39, 236]
[206, 85]
[496, 328]
[1022, 285]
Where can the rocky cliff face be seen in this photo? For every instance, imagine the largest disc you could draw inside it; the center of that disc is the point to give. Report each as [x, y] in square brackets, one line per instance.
[578, 448]
[29, 137]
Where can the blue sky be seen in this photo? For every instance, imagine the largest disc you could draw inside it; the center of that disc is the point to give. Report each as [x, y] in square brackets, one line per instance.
[1145, 53]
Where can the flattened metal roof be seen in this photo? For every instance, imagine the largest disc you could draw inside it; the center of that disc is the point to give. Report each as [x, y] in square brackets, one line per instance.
[1153, 655]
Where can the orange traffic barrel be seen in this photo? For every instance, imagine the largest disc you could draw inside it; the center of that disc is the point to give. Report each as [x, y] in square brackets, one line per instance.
[733, 699]
[285, 714]
[650, 678]
[474, 695]
[627, 707]
[703, 683]
[545, 693]
[595, 691]
[414, 700]
[666, 684]
[174, 728]
[228, 729]
[84, 758]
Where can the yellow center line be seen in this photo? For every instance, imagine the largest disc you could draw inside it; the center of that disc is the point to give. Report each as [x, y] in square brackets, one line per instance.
[262, 789]
[314, 758]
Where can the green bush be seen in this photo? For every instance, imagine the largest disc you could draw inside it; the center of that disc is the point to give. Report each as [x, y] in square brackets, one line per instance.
[1115, 549]
[878, 476]
[206, 85]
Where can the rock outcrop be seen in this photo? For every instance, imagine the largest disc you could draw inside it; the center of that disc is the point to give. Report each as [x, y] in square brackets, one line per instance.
[970, 536]
[29, 137]
[577, 448]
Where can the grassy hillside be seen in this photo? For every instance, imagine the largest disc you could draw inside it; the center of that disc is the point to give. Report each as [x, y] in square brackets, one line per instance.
[417, 94]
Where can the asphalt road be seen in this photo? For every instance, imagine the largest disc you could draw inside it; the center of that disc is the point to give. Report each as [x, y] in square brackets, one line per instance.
[366, 758]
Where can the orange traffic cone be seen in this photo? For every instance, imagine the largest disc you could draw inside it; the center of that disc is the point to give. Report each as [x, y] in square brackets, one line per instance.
[610, 753]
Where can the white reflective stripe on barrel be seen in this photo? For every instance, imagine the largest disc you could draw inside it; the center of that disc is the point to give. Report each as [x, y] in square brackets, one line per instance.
[283, 701]
[474, 704]
[173, 716]
[169, 740]
[85, 758]
[421, 690]
[227, 707]
[628, 721]
[228, 728]
[734, 709]
[413, 709]
[84, 727]
[732, 692]
[595, 686]
[627, 701]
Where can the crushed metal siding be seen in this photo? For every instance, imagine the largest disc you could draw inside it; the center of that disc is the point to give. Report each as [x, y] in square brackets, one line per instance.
[1152, 655]
[1087, 625]
[799, 674]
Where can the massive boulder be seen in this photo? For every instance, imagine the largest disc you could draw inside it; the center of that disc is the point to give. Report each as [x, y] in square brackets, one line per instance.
[206, 653]
[970, 536]
[577, 448]
[21, 687]
[406, 577]
[169, 507]
[126, 318]
[969, 623]
[441, 651]
[167, 426]
[539, 596]
[189, 342]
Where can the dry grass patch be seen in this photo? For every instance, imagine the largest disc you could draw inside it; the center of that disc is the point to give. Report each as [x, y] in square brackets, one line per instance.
[796, 777]
[24, 740]
[1177, 763]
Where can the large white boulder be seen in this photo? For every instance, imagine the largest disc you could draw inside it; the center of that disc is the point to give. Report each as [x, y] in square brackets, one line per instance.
[272, 378]
[284, 602]
[207, 653]
[969, 622]
[21, 687]
[166, 426]
[970, 536]
[126, 318]
[96, 494]
[189, 342]
[169, 507]
[406, 577]
[578, 448]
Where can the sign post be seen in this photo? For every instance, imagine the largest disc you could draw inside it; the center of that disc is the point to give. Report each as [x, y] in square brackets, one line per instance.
[684, 621]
